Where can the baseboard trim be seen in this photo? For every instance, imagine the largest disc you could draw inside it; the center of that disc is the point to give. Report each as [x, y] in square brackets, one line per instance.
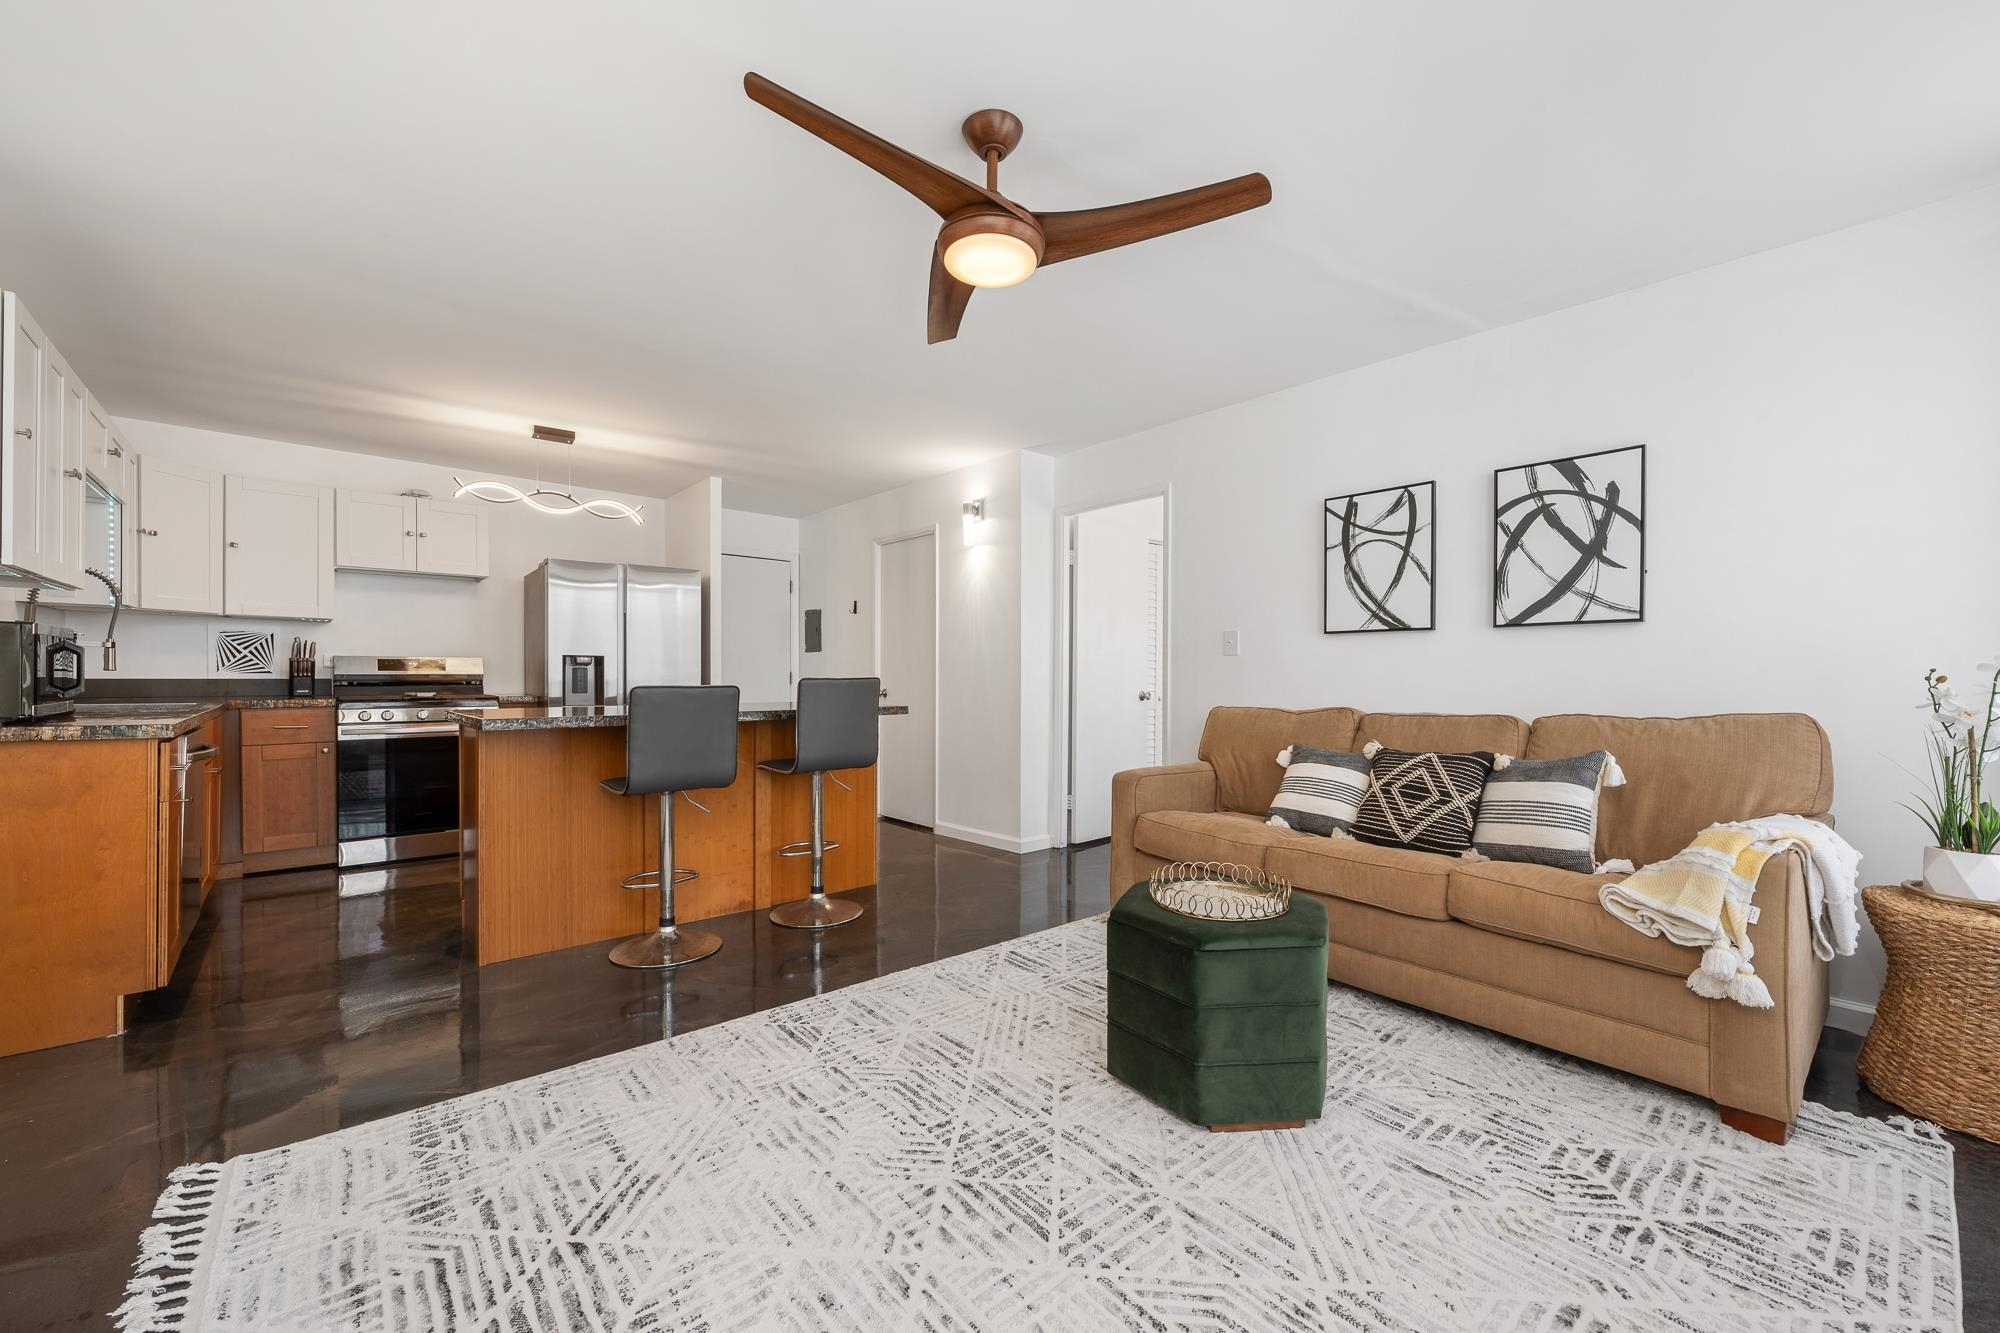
[1849, 1015]
[999, 842]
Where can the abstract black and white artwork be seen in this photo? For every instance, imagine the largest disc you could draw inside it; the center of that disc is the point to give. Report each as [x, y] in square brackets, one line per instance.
[1381, 547]
[245, 652]
[1569, 540]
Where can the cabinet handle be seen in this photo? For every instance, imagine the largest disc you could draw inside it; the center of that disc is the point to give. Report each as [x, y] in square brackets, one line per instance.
[149, 532]
[409, 532]
[423, 534]
[234, 545]
[27, 432]
[117, 451]
[290, 726]
[74, 474]
[325, 749]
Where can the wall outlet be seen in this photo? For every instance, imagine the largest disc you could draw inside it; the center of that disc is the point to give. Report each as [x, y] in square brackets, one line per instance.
[1232, 643]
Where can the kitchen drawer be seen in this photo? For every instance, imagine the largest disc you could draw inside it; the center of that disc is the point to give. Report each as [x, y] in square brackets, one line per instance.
[286, 726]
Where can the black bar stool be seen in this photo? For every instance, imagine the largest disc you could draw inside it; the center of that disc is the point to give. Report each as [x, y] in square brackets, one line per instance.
[838, 727]
[678, 738]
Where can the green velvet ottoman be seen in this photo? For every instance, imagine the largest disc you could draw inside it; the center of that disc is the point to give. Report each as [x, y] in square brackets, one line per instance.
[1221, 1022]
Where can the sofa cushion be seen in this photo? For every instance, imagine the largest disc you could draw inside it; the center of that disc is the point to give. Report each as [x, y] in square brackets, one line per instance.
[1444, 732]
[1242, 745]
[1559, 907]
[1684, 773]
[1201, 835]
[1395, 878]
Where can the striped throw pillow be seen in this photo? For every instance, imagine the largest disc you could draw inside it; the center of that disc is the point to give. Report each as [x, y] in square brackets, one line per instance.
[1426, 802]
[1321, 790]
[1544, 811]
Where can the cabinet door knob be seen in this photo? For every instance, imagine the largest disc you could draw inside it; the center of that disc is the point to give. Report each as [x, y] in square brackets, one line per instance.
[74, 474]
[234, 545]
[1145, 695]
[423, 534]
[117, 451]
[409, 532]
[26, 432]
[325, 749]
[149, 532]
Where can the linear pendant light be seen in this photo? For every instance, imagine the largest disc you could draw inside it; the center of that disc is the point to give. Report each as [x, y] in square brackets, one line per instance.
[541, 498]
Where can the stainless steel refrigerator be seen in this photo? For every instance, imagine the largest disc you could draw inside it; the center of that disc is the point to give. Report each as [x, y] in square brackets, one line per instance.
[595, 631]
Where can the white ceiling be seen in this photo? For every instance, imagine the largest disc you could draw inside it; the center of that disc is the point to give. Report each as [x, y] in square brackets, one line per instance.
[411, 229]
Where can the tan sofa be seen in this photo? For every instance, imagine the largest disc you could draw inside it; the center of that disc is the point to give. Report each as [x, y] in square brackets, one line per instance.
[1525, 949]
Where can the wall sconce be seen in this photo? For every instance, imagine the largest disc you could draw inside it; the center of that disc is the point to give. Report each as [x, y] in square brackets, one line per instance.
[973, 514]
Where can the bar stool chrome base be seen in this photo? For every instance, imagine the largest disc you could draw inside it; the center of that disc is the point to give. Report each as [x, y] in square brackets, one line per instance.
[815, 913]
[669, 947]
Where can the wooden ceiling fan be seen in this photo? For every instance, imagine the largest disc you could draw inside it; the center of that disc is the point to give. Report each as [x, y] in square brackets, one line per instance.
[987, 239]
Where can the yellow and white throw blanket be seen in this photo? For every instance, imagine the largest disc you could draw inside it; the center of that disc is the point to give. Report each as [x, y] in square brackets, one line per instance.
[1701, 897]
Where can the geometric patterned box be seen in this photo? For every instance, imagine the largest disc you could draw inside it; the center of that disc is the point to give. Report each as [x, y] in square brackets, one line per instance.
[1220, 1022]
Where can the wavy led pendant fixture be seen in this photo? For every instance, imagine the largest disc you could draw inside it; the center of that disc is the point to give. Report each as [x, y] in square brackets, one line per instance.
[541, 499]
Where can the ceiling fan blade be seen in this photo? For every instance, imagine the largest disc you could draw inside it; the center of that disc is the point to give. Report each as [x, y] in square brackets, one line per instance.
[948, 298]
[1087, 231]
[945, 191]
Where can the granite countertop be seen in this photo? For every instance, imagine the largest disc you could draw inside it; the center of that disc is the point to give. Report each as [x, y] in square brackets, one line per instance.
[560, 719]
[115, 722]
[283, 701]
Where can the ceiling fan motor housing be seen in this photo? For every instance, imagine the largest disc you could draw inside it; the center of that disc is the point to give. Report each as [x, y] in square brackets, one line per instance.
[978, 221]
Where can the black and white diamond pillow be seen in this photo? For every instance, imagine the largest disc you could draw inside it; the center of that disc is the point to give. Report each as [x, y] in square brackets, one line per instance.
[1321, 791]
[1544, 811]
[1426, 802]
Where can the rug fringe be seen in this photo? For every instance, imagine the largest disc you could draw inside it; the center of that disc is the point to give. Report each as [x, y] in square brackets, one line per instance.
[160, 1295]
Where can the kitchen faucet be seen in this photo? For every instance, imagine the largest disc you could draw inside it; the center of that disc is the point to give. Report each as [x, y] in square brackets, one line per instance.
[111, 630]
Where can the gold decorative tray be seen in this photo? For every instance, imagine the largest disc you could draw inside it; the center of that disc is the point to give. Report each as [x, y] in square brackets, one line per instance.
[1220, 891]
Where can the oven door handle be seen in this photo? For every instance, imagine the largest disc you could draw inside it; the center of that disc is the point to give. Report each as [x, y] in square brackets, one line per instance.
[351, 732]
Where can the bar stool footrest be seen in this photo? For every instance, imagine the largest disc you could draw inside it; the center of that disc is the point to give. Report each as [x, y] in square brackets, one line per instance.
[650, 879]
[806, 848]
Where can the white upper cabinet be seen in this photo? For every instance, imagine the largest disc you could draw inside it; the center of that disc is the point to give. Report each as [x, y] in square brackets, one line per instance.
[279, 551]
[30, 446]
[376, 531]
[404, 534]
[179, 552]
[451, 538]
[69, 472]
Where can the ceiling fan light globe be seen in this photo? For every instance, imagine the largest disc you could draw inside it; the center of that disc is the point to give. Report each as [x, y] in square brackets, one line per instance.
[989, 259]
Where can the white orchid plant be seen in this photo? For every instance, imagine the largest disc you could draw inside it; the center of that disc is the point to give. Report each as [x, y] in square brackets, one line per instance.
[1964, 739]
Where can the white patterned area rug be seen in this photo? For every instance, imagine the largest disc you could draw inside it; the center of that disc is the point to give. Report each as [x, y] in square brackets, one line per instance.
[941, 1149]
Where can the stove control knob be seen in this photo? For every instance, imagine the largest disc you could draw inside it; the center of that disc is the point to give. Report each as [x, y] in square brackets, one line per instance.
[364, 715]
[423, 713]
[388, 713]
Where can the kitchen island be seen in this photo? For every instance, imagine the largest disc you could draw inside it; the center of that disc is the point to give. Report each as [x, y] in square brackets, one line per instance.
[543, 845]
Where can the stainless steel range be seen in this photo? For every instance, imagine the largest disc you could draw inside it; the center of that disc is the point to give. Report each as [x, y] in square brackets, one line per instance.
[398, 753]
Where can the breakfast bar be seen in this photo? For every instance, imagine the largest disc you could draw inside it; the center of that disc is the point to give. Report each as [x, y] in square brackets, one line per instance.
[543, 845]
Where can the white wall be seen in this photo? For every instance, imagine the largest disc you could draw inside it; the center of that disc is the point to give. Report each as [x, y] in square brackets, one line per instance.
[745, 533]
[988, 717]
[375, 613]
[693, 538]
[1823, 431]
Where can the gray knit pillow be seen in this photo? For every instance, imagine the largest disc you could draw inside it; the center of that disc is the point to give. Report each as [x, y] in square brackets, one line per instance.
[1544, 811]
[1321, 791]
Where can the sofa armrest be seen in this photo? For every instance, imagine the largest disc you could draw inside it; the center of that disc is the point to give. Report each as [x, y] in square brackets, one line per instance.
[1138, 791]
[1758, 1058]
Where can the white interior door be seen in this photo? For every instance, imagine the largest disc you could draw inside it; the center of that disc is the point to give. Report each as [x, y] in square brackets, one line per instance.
[757, 627]
[906, 783]
[1115, 653]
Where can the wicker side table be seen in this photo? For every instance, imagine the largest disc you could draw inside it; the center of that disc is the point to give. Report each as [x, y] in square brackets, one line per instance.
[1934, 1048]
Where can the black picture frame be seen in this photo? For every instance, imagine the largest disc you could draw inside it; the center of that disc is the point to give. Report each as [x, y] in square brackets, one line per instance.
[1612, 536]
[1338, 548]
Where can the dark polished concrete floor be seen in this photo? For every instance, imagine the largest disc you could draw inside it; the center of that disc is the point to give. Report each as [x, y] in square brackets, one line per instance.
[298, 1010]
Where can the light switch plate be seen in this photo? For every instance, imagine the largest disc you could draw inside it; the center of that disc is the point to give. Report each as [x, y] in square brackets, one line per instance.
[1232, 643]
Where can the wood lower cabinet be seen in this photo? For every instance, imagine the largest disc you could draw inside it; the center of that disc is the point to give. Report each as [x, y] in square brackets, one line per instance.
[108, 854]
[288, 798]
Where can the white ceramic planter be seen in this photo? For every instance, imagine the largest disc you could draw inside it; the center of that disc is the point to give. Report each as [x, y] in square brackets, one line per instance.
[1973, 876]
